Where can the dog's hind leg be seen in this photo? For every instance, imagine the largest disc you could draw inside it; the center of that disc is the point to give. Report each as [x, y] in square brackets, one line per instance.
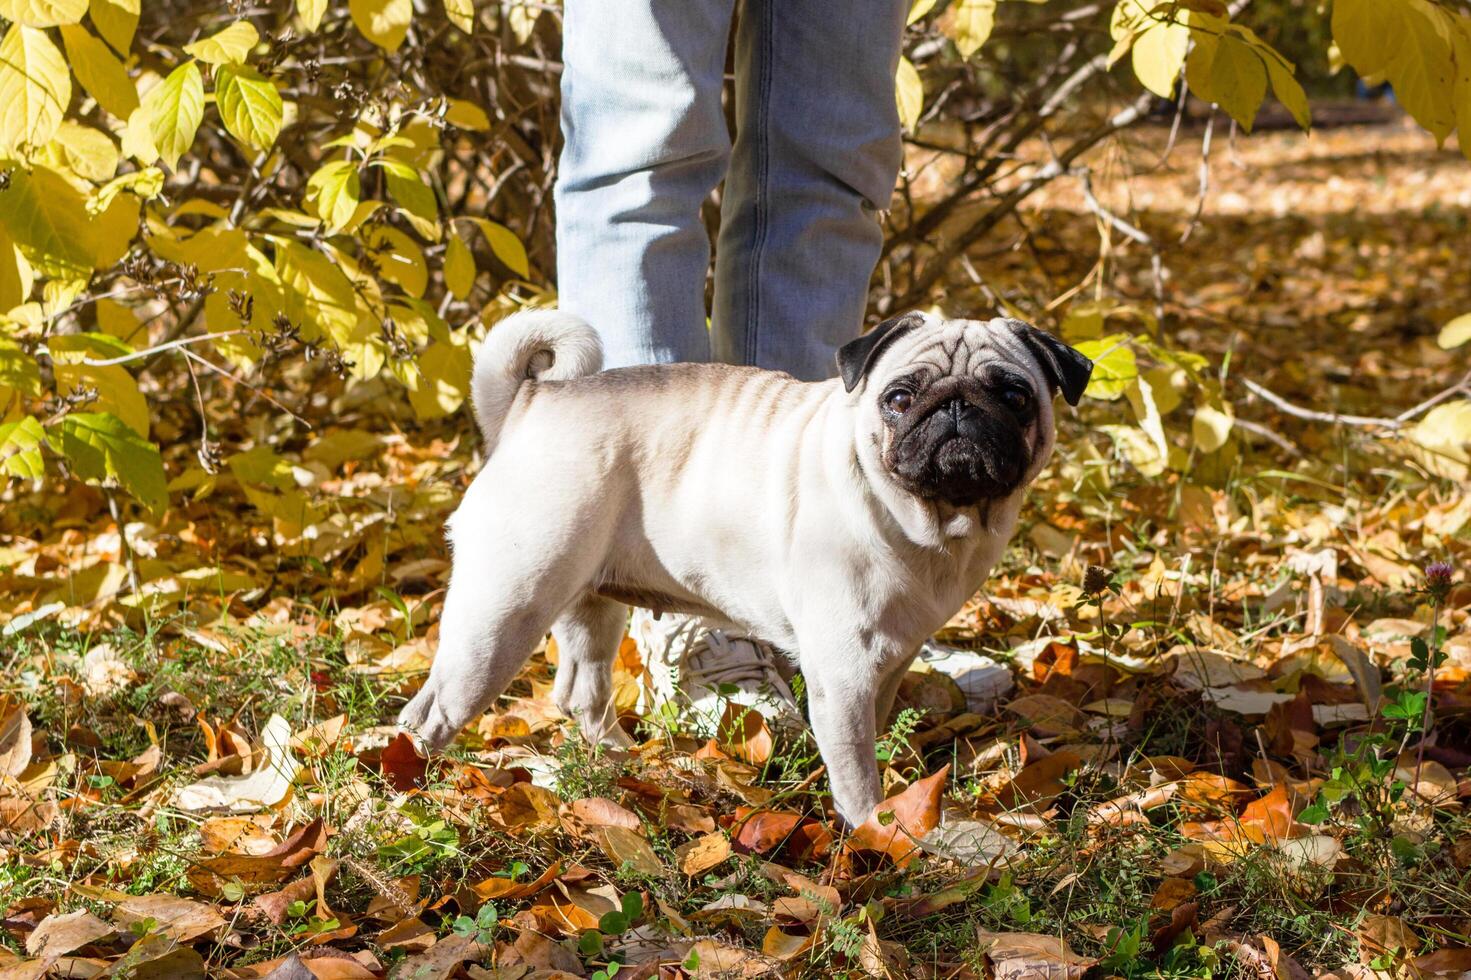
[512, 579]
[588, 634]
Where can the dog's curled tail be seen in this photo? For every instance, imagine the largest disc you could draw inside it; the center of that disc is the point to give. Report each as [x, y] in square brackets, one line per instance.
[533, 345]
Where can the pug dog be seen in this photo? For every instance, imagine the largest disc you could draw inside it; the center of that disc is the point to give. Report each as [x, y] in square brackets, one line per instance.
[845, 520]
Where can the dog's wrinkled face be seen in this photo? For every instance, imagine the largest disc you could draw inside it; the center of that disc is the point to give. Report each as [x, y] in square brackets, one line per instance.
[960, 411]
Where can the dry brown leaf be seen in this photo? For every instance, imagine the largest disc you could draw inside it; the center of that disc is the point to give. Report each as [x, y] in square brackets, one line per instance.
[267, 786]
[703, 853]
[526, 808]
[274, 904]
[319, 739]
[596, 811]
[626, 847]
[1048, 715]
[1385, 935]
[1452, 961]
[57, 935]
[503, 887]
[782, 945]
[1028, 956]
[442, 959]
[178, 918]
[15, 737]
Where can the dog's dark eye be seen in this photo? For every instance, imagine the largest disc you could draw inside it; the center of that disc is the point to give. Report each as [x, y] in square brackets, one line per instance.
[898, 401]
[1016, 399]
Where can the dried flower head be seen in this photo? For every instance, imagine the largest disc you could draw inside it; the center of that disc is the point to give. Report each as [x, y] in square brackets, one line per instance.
[1096, 579]
[1438, 578]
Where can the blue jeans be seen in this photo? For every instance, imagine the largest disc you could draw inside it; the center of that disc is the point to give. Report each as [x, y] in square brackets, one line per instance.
[815, 158]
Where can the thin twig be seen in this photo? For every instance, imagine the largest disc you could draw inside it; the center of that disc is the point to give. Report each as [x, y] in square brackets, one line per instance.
[1313, 415]
[150, 351]
[122, 534]
[1205, 177]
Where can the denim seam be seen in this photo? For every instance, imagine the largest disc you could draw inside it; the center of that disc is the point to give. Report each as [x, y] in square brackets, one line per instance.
[766, 45]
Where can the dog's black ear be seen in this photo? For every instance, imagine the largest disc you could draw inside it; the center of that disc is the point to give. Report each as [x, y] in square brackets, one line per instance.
[857, 356]
[1065, 367]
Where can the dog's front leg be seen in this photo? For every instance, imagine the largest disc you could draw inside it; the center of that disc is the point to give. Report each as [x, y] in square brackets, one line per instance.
[842, 696]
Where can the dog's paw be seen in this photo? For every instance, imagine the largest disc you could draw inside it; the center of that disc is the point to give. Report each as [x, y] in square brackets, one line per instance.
[423, 718]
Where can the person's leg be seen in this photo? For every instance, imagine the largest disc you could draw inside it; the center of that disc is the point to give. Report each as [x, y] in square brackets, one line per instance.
[816, 156]
[646, 142]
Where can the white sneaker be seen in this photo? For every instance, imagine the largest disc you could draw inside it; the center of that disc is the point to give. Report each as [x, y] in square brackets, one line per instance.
[694, 672]
[982, 680]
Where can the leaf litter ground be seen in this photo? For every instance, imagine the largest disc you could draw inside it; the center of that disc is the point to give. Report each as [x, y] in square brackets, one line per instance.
[1209, 763]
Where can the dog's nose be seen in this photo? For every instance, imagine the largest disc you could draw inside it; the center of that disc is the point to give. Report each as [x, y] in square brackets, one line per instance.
[961, 409]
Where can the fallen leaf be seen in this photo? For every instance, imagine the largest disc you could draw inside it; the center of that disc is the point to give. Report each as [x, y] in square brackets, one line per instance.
[57, 935]
[1029, 956]
[760, 831]
[745, 735]
[178, 918]
[897, 823]
[625, 847]
[266, 787]
[15, 737]
[703, 853]
[403, 767]
[597, 811]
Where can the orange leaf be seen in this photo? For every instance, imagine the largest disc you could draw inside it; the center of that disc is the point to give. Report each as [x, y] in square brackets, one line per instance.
[745, 734]
[915, 812]
[760, 831]
[403, 766]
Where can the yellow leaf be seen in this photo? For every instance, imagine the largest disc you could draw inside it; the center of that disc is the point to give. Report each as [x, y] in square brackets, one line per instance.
[48, 221]
[319, 297]
[99, 446]
[1159, 51]
[20, 446]
[333, 191]
[1455, 333]
[466, 115]
[99, 71]
[399, 260]
[116, 20]
[461, 13]
[310, 12]
[1462, 42]
[414, 197]
[505, 246]
[35, 88]
[228, 47]
[249, 105]
[43, 13]
[113, 230]
[1410, 44]
[459, 267]
[1289, 92]
[384, 22]
[175, 108]
[1442, 440]
[974, 20]
[16, 281]
[117, 392]
[909, 91]
[85, 152]
[138, 140]
[522, 18]
[1225, 70]
[444, 380]
[1211, 427]
[919, 10]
